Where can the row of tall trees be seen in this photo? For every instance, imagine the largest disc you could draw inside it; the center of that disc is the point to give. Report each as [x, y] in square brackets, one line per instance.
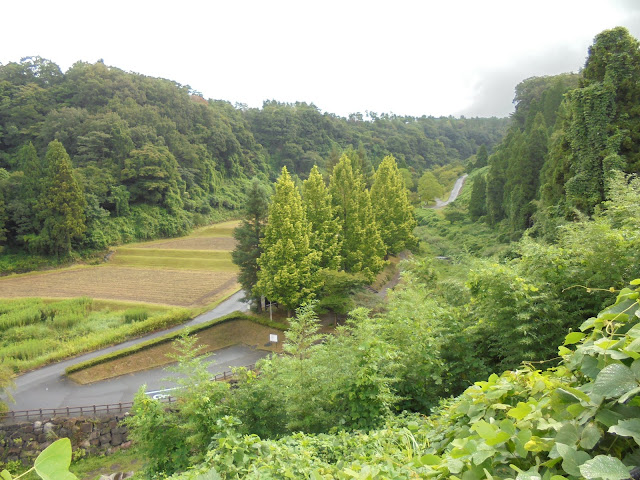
[317, 233]
[569, 133]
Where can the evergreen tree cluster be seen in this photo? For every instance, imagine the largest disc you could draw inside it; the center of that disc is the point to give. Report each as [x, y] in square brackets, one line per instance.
[325, 239]
[568, 136]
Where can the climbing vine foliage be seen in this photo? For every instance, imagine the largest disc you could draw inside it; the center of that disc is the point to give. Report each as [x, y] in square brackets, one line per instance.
[577, 419]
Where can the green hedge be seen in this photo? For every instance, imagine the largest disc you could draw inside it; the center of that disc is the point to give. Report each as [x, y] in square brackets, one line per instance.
[169, 338]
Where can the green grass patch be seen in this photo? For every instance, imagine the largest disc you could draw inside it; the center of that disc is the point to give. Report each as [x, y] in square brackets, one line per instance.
[224, 229]
[92, 467]
[173, 253]
[170, 338]
[34, 332]
[174, 259]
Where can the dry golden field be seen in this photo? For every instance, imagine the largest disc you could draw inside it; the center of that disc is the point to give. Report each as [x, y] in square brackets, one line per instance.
[192, 271]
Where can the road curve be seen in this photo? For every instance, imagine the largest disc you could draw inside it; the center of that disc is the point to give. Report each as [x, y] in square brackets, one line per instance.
[48, 387]
[454, 193]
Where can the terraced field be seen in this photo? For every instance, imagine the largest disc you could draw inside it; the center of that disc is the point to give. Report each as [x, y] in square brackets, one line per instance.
[192, 271]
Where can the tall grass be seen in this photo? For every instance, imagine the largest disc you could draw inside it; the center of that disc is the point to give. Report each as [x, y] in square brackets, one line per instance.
[34, 332]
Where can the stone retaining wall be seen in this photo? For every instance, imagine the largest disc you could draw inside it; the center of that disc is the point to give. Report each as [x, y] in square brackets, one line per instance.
[96, 436]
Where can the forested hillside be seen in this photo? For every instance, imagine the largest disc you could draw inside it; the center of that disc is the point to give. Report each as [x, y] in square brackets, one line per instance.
[569, 133]
[136, 157]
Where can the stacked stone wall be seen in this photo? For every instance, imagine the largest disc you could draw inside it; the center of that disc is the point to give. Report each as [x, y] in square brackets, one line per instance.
[89, 436]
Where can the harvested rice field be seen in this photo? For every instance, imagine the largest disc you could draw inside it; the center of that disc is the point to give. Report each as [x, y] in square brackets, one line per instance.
[192, 271]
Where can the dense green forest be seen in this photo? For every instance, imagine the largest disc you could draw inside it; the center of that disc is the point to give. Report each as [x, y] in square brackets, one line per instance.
[133, 157]
[568, 133]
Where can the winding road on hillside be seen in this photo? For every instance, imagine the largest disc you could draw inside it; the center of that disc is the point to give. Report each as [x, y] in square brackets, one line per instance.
[454, 193]
[48, 387]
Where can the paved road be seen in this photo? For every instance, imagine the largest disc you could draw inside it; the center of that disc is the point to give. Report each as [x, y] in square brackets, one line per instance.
[48, 387]
[454, 193]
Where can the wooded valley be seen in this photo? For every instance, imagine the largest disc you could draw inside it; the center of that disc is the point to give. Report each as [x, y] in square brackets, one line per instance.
[510, 349]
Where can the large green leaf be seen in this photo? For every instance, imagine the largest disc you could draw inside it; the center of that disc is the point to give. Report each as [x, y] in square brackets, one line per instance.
[521, 411]
[53, 463]
[614, 380]
[572, 459]
[590, 436]
[628, 428]
[604, 467]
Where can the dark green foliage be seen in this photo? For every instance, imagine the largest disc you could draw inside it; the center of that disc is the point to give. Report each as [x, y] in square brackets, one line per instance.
[482, 157]
[299, 135]
[151, 175]
[478, 201]
[61, 204]
[249, 234]
[135, 140]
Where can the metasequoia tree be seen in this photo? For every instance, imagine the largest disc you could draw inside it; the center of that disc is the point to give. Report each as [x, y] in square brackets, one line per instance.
[288, 265]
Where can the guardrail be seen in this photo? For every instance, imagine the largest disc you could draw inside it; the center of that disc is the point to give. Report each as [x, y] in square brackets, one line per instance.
[93, 410]
[97, 410]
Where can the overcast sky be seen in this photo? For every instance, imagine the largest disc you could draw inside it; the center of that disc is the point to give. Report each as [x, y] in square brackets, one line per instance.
[446, 57]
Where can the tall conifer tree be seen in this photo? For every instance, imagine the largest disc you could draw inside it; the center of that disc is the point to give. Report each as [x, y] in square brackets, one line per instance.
[391, 207]
[288, 265]
[61, 204]
[325, 230]
[362, 246]
[249, 234]
[478, 200]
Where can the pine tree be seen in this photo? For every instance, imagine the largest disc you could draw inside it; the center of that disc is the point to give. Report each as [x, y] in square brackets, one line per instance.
[61, 204]
[478, 201]
[391, 207]
[482, 157]
[325, 230]
[523, 174]
[362, 246]
[249, 234]
[288, 265]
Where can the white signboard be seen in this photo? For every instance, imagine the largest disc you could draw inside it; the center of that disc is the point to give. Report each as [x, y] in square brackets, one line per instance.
[273, 338]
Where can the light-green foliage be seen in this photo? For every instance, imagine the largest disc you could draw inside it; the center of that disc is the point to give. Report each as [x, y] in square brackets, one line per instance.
[172, 439]
[34, 333]
[51, 464]
[429, 188]
[343, 383]
[391, 208]
[576, 420]
[325, 231]
[362, 246]
[288, 264]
